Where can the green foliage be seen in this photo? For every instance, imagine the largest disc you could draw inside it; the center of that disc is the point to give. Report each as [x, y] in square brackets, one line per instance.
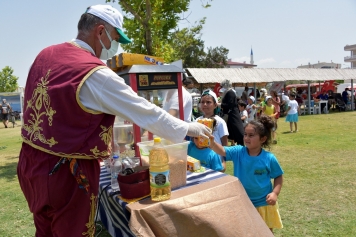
[8, 82]
[150, 22]
[216, 57]
[153, 27]
[189, 46]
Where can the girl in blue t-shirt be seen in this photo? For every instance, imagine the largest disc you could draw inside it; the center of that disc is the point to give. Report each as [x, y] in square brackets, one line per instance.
[255, 168]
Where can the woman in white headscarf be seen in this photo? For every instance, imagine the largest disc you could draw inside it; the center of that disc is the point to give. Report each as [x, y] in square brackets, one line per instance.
[229, 106]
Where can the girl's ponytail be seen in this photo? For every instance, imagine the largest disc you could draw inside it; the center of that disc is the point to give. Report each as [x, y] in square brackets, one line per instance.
[264, 125]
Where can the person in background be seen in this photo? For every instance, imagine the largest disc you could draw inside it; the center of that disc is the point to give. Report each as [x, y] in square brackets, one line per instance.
[171, 104]
[188, 83]
[209, 107]
[12, 118]
[58, 167]
[243, 112]
[251, 108]
[253, 93]
[270, 111]
[261, 101]
[229, 106]
[322, 96]
[207, 157]
[221, 93]
[285, 101]
[5, 110]
[244, 95]
[276, 101]
[263, 94]
[299, 98]
[255, 167]
[292, 112]
[345, 96]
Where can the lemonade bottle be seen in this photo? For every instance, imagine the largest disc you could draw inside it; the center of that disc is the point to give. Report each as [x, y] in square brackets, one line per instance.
[159, 172]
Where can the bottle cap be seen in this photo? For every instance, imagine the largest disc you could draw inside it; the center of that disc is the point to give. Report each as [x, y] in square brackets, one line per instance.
[115, 157]
[157, 139]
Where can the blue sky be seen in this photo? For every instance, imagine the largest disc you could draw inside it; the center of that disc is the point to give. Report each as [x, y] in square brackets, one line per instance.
[283, 34]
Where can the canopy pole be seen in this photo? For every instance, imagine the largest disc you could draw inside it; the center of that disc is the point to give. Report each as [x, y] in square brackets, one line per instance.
[254, 91]
[308, 97]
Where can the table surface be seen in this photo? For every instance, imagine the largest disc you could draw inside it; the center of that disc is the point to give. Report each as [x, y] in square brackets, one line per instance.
[316, 103]
[113, 212]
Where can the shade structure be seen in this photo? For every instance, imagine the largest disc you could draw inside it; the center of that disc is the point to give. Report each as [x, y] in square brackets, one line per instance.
[258, 75]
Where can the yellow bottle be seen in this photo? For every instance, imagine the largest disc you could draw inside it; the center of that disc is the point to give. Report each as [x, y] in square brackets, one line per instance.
[159, 172]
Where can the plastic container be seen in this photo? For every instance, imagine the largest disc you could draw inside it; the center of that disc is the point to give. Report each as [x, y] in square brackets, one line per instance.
[177, 153]
[115, 170]
[160, 185]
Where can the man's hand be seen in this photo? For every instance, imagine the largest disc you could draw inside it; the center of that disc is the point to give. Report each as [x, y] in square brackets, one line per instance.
[198, 130]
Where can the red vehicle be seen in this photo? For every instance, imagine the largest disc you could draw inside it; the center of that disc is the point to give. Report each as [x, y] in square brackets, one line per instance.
[315, 88]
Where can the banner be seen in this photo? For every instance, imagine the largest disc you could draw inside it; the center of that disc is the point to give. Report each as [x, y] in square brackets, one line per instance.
[276, 86]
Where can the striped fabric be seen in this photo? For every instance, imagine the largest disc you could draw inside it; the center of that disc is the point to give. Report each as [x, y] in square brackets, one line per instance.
[112, 210]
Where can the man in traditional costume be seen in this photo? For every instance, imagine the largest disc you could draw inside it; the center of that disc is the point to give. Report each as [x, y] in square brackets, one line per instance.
[58, 167]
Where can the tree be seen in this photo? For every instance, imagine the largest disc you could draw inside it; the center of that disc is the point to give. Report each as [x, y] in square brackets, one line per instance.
[153, 27]
[188, 45]
[150, 23]
[216, 57]
[8, 82]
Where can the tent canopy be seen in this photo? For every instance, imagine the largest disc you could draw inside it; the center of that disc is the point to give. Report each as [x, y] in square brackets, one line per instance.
[258, 75]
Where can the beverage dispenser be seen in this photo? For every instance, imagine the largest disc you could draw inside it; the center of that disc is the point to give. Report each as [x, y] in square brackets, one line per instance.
[154, 83]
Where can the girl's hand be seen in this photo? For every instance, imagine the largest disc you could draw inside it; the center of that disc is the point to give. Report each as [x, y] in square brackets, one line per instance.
[271, 198]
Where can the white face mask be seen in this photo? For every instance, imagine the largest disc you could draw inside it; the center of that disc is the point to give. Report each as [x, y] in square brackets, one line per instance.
[109, 53]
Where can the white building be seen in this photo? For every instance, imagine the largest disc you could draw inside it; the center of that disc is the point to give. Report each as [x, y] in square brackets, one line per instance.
[352, 58]
[321, 65]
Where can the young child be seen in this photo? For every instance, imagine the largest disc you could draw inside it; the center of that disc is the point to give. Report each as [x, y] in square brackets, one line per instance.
[255, 167]
[270, 110]
[243, 112]
[251, 108]
[259, 106]
[208, 106]
[207, 157]
[292, 113]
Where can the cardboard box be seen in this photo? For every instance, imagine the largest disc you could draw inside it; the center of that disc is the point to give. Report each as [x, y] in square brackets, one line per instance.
[128, 59]
[193, 164]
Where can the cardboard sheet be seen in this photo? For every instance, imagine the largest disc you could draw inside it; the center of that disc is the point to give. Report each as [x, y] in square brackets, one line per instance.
[219, 208]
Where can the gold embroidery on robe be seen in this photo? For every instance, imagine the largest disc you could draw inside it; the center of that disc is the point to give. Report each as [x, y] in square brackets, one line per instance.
[105, 136]
[40, 99]
[91, 225]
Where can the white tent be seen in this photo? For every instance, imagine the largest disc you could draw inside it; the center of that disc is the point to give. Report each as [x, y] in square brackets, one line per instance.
[257, 75]
[251, 75]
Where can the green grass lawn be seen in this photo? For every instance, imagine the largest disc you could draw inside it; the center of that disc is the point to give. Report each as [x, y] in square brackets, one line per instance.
[317, 197]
